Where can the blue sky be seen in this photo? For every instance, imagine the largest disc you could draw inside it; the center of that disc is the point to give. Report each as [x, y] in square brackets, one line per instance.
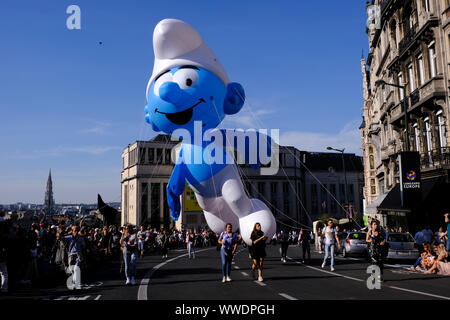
[72, 105]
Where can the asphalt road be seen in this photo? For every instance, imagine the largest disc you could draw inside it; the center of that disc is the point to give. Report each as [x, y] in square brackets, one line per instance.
[180, 278]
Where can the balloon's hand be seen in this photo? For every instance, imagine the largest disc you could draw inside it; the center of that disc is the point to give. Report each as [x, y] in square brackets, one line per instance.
[174, 204]
[234, 99]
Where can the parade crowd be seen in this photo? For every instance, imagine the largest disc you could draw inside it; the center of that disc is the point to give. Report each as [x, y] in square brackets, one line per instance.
[41, 255]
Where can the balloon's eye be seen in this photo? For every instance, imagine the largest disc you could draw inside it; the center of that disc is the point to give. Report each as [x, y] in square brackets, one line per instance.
[166, 77]
[186, 78]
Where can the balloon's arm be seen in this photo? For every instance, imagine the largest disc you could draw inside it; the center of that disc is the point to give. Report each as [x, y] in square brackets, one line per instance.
[175, 188]
[255, 152]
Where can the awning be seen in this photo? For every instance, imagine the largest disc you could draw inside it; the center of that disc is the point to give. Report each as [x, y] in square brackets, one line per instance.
[392, 201]
[372, 208]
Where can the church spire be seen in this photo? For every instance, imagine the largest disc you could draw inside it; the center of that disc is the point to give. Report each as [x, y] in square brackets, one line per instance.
[49, 202]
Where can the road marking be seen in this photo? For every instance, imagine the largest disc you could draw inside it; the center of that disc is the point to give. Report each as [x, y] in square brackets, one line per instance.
[98, 297]
[420, 292]
[83, 298]
[143, 287]
[233, 262]
[244, 273]
[329, 272]
[392, 287]
[284, 295]
[61, 298]
[236, 267]
[262, 284]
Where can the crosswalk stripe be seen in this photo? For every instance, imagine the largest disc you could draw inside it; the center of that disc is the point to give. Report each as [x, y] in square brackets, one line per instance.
[284, 295]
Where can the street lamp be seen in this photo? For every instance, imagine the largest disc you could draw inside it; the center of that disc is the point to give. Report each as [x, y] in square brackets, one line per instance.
[404, 104]
[345, 175]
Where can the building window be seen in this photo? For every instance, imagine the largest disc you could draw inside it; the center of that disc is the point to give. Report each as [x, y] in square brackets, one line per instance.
[421, 71]
[442, 130]
[261, 190]
[141, 155]
[386, 133]
[428, 135]
[333, 206]
[151, 155]
[351, 197]
[432, 58]
[155, 219]
[159, 155]
[167, 154]
[371, 162]
[417, 136]
[373, 189]
[426, 5]
[384, 93]
[286, 188]
[286, 207]
[144, 203]
[411, 78]
[273, 187]
[400, 83]
[314, 191]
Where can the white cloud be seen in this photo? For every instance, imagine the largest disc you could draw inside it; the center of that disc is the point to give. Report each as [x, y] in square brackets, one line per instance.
[98, 128]
[349, 137]
[247, 118]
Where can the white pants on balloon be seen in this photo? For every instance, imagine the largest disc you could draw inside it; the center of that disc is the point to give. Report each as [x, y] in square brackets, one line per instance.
[223, 200]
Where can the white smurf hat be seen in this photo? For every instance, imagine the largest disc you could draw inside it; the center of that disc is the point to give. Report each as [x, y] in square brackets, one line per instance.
[176, 43]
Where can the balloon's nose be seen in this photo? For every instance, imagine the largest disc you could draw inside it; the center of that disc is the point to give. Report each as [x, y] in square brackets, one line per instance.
[171, 92]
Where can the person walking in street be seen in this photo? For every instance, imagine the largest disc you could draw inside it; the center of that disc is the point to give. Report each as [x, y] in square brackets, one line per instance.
[190, 243]
[304, 239]
[258, 250]
[76, 245]
[164, 243]
[376, 238]
[228, 241]
[141, 241]
[284, 240]
[330, 239]
[130, 252]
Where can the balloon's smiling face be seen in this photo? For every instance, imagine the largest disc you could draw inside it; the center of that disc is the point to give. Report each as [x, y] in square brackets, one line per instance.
[183, 95]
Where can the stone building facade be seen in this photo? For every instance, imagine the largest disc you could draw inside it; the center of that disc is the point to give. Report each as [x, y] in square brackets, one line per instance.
[409, 44]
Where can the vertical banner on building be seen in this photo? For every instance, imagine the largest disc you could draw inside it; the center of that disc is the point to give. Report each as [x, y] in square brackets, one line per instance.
[190, 203]
[410, 180]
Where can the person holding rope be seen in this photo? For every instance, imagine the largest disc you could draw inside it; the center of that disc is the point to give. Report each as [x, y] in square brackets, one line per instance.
[376, 238]
[258, 249]
[304, 239]
[228, 241]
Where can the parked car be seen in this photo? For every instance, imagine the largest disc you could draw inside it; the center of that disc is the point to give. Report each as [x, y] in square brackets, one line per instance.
[401, 246]
[354, 244]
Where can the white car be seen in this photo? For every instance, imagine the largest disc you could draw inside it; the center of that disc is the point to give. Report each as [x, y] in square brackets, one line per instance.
[401, 246]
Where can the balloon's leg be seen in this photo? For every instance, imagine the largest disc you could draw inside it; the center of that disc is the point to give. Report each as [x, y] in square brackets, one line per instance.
[217, 213]
[248, 211]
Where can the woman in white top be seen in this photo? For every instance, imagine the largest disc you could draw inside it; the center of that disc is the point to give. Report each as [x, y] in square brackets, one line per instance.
[330, 239]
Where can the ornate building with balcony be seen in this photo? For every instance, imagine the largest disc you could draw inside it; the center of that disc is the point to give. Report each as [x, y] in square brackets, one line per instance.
[409, 46]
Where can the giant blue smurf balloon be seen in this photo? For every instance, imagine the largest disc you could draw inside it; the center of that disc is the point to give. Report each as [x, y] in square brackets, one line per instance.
[189, 86]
